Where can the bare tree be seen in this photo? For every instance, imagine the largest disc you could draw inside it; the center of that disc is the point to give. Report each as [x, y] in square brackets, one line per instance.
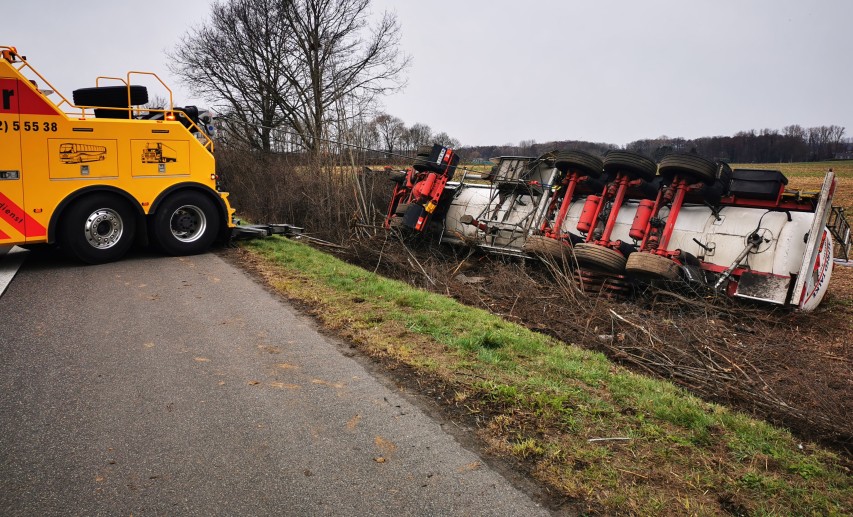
[156, 102]
[526, 146]
[337, 54]
[446, 140]
[296, 64]
[794, 131]
[236, 58]
[418, 135]
[836, 135]
[391, 130]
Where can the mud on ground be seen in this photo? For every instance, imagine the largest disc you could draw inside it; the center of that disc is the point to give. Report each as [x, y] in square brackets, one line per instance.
[789, 368]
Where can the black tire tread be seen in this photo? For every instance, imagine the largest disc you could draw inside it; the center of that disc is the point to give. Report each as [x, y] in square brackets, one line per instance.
[651, 266]
[589, 164]
[160, 231]
[545, 246]
[690, 165]
[401, 208]
[71, 238]
[110, 96]
[593, 255]
[633, 164]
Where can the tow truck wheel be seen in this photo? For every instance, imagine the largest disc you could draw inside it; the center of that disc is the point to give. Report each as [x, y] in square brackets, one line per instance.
[595, 256]
[648, 266]
[546, 246]
[185, 223]
[97, 229]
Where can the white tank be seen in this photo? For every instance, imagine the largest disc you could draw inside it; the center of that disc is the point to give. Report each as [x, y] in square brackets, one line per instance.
[791, 266]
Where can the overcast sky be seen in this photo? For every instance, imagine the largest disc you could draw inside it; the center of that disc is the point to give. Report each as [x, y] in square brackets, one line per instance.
[500, 71]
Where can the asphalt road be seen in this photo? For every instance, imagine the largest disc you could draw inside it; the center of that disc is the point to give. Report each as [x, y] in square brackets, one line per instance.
[179, 386]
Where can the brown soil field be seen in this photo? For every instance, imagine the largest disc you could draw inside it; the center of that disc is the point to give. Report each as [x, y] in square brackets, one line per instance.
[790, 368]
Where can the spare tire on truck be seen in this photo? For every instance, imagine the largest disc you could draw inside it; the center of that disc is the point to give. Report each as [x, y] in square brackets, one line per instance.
[111, 96]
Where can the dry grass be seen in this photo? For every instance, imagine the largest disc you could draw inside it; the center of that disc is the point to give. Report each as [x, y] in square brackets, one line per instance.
[555, 407]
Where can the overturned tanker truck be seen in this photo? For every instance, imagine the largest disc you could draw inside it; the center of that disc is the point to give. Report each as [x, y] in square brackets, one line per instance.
[623, 220]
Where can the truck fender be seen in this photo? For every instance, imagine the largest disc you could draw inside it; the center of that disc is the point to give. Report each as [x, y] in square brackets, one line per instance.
[70, 198]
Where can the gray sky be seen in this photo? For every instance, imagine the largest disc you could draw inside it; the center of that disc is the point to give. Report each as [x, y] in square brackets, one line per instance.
[493, 72]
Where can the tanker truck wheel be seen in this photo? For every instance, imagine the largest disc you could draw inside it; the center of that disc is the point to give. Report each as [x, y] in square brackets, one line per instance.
[97, 229]
[545, 246]
[595, 256]
[689, 165]
[401, 208]
[589, 164]
[422, 163]
[185, 223]
[633, 164]
[648, 266]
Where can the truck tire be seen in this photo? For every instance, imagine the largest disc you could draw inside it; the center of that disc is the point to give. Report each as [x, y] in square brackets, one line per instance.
[97, 229]
[587, 163]
[546, 246]
[598, 257]
[634, 164]
[110, 96]
[401, 208]
[690, 165]
[648, 266]
[185, 223]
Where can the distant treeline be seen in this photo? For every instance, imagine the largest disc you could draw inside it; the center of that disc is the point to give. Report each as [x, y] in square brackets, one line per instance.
[792, 144]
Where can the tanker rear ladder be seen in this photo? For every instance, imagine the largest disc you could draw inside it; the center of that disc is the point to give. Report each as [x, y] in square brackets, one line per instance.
[840, 229]
[507, 192]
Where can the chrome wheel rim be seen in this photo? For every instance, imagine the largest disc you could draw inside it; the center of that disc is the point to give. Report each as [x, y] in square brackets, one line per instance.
[103, 228]
[188, 223]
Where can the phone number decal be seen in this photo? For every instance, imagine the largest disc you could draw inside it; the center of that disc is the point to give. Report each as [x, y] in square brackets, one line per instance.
[28, 126]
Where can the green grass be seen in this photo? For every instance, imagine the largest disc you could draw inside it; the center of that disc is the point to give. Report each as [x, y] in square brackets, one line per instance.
[544, 399]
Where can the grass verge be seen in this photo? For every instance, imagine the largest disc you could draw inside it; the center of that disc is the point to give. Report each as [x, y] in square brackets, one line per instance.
[592, 431]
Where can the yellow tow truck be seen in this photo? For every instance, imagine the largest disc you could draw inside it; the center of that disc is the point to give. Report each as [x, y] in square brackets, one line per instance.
[99, 174]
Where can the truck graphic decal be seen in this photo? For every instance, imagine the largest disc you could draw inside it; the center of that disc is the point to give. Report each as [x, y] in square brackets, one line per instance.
[158, 153]
[81, 153]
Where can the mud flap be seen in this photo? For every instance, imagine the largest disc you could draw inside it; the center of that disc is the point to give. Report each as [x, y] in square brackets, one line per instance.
[763, 287]
[413, 214]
